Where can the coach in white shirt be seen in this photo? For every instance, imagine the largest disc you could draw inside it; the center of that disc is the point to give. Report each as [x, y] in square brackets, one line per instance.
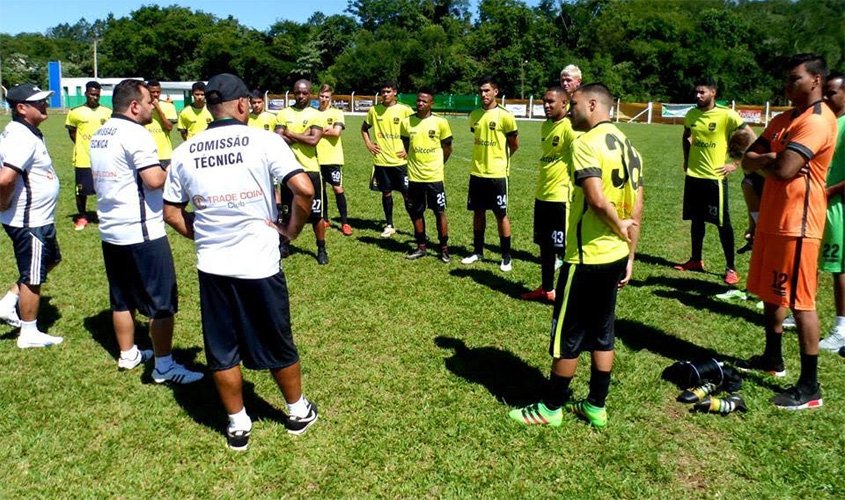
[29, 189]
[226, 172]
[128, 180]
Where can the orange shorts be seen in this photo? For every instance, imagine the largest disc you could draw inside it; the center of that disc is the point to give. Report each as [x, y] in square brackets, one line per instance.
[784, 270]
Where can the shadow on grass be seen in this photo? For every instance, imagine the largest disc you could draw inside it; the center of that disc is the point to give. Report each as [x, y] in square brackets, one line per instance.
[507, 377]
[700, 294]
[101, 328]
[48, 314]
[378, 225]
[517, 255]
[390, 244]
[491, 280]
[638, 336]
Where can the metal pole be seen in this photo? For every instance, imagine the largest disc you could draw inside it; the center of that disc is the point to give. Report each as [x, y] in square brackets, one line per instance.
[95, 59]
[522, 78]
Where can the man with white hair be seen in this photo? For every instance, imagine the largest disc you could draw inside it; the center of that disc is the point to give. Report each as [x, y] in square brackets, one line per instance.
[570, 78]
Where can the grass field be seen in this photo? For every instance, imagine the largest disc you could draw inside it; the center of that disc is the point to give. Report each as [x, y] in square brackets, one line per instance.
[414, 365]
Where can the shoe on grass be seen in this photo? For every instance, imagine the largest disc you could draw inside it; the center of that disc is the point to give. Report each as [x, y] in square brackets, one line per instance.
[798, 398]
[141, 356]
[731, 295]
[417, 253]
[177, 374]
[507, 264]
[37, 339]
[10, 317]
[388, 232]
[690, 265]
[80, 224]
[322, 257]
[471, 259]
[834, 341]
[444, 256]
[238, 439]
[597, 417]
[537, 414]
[789, 322]
[298, 425]
[761, 364]
[731, 277]
[346, 229]
[539, 294]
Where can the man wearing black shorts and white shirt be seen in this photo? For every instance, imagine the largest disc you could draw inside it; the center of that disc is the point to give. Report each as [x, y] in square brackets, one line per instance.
[227, 173]
[29, 189]
[128, 179]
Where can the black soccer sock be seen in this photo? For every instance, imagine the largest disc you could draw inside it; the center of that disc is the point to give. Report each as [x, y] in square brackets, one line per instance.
[809, 372]
[697, 238]
[444, 240]
[557, 392]
[81, 202]
[478, 242]
[420, 238]
[505, 244]
[340, 199]
[599, 387]
[325, 197]
[774, 345]
[321, 245]
[387, 205]
[726, 237]
[547, 268]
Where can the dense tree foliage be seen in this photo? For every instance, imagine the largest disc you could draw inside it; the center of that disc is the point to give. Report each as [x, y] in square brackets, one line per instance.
[643, 50]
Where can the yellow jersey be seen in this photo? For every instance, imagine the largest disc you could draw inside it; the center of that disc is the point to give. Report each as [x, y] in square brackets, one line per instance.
[299, 121]
[425, 155]
[491, 128]
[330, 149]
[385, 122]
[162, 138]
[554, 181]
[265, 121]
[711, 131]
[86, 121]
[194, 121]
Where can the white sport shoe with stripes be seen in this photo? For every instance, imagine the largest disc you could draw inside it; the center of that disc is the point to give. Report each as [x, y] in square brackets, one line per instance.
[177, 374]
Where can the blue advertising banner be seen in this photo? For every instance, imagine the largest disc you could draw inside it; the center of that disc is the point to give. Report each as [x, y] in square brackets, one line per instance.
[54, 75]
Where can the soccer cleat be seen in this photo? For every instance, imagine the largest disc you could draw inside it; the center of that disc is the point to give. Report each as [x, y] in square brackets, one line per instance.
[388, 231]
[11, 318]
[539, 294]
[723, 406]
[346, 229]
[732, 294]
[322, 257]
[731, 277]
[761, 364]
[80, 224]
[298, 425]
[789, 322]
[326, 224]
[537, 414]
[834, 341]
[37, 339]
[177, 374]
[558, 263]
[506, 264]
[416, 254]
[471, 259]
[444, 256]
[597, 417]
[696, 394]
[690, 265]
[237, 439]
[745, 248]
[142, 356]
[796, 398]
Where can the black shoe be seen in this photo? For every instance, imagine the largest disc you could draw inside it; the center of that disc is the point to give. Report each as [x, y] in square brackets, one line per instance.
[298, 425]
[322, 257]
[416, 254]
[745, 248]
[238, 439]
[798, 398]
[762, 364]
[444, 256]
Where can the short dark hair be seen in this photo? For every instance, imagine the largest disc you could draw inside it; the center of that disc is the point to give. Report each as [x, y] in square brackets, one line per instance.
[557, 89]
[488, 80]
[836, 76]
[598, 90]
[153, 83]
[815, 64]
[387, 84]
[198, 86]
[93, 85]
[125, 92]
[705, 81]
[256, 94]
[427, 90]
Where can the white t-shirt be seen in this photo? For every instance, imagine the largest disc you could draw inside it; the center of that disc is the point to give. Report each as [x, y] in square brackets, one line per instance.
[37, 186]
[227, 173]
[129, 212]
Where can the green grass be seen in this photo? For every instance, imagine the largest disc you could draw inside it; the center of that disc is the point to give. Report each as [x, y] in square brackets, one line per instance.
[414, 366]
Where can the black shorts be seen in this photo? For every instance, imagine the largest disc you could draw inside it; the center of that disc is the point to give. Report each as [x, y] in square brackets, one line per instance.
[316, 204]
[488, 194]
[585, 308]
[36, 251]
[387, 179]
[84, 182]
[141, 277]
[756, 181]
[422, 195]
[246, 320]
[550, 223]
[707, 200]
[332, 174]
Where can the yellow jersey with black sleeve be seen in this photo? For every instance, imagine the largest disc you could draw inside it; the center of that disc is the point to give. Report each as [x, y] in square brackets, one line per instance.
[554, 181]
[193, 120]
[330, 149]
[491, 127]
[264, 121]
[711, 132]
[606, 153]
[300, 121]
[86, 121]
[425, 137]
[384, 122]
[162, 138]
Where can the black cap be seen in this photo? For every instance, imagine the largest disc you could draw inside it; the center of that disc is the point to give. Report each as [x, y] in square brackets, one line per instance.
[225, 87]
[27, 92]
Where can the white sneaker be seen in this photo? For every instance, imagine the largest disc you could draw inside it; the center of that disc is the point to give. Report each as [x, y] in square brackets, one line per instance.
[506, 265]
[732, 294]
[143, 355]
[388, 232]
[10, 317]
[471, 259]
[37, 339]
[558, 263]
[834, 341]
[177, 374]
[789, 322]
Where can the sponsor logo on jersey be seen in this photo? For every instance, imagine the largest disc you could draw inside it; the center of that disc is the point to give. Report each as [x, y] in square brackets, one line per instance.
[432, 133]
[555, 140]
[396, 120]
[711, 126]
[491, 125]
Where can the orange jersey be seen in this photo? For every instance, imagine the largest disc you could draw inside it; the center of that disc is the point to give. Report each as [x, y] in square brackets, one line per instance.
[797, 206]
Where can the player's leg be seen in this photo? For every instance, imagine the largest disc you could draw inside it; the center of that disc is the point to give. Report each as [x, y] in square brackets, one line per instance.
[316, 218]
[503, 222]
[229, 384]
[751, 195]
[697, 196]
[726, 238]
[340, 200]
[36, 253]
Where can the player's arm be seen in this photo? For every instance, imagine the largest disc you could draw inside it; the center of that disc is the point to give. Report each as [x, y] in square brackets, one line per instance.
[686, 140]
[365, 134]
[446, 144]
[8, 177]
[183, 127]
[280, 130]
[166, 124]
[739, 141]
[153, 176]
[310, 137]
[835, 189]
[406, 143]
[513, 142]
[334, 131]
[758, 156]
[606, 211]
[303, 194]
[634, 234]
[71, 132]
[179, 219]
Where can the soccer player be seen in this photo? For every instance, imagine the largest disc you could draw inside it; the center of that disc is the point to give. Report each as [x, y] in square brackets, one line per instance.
[428, 141]
[496, 140]
[243, 294]
[390, 169]
[259, 118]
[833, 242]
[194, 118]
[164, 118]
[301, 126]
[794, 151]
[604, 222]
[553, 187]
[81, 123]
[29, 189]
[139, 266]
[570, 78]
[330, 156]
[707, 131]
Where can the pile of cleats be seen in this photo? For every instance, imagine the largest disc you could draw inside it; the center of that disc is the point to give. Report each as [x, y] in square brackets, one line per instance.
[703, 381]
